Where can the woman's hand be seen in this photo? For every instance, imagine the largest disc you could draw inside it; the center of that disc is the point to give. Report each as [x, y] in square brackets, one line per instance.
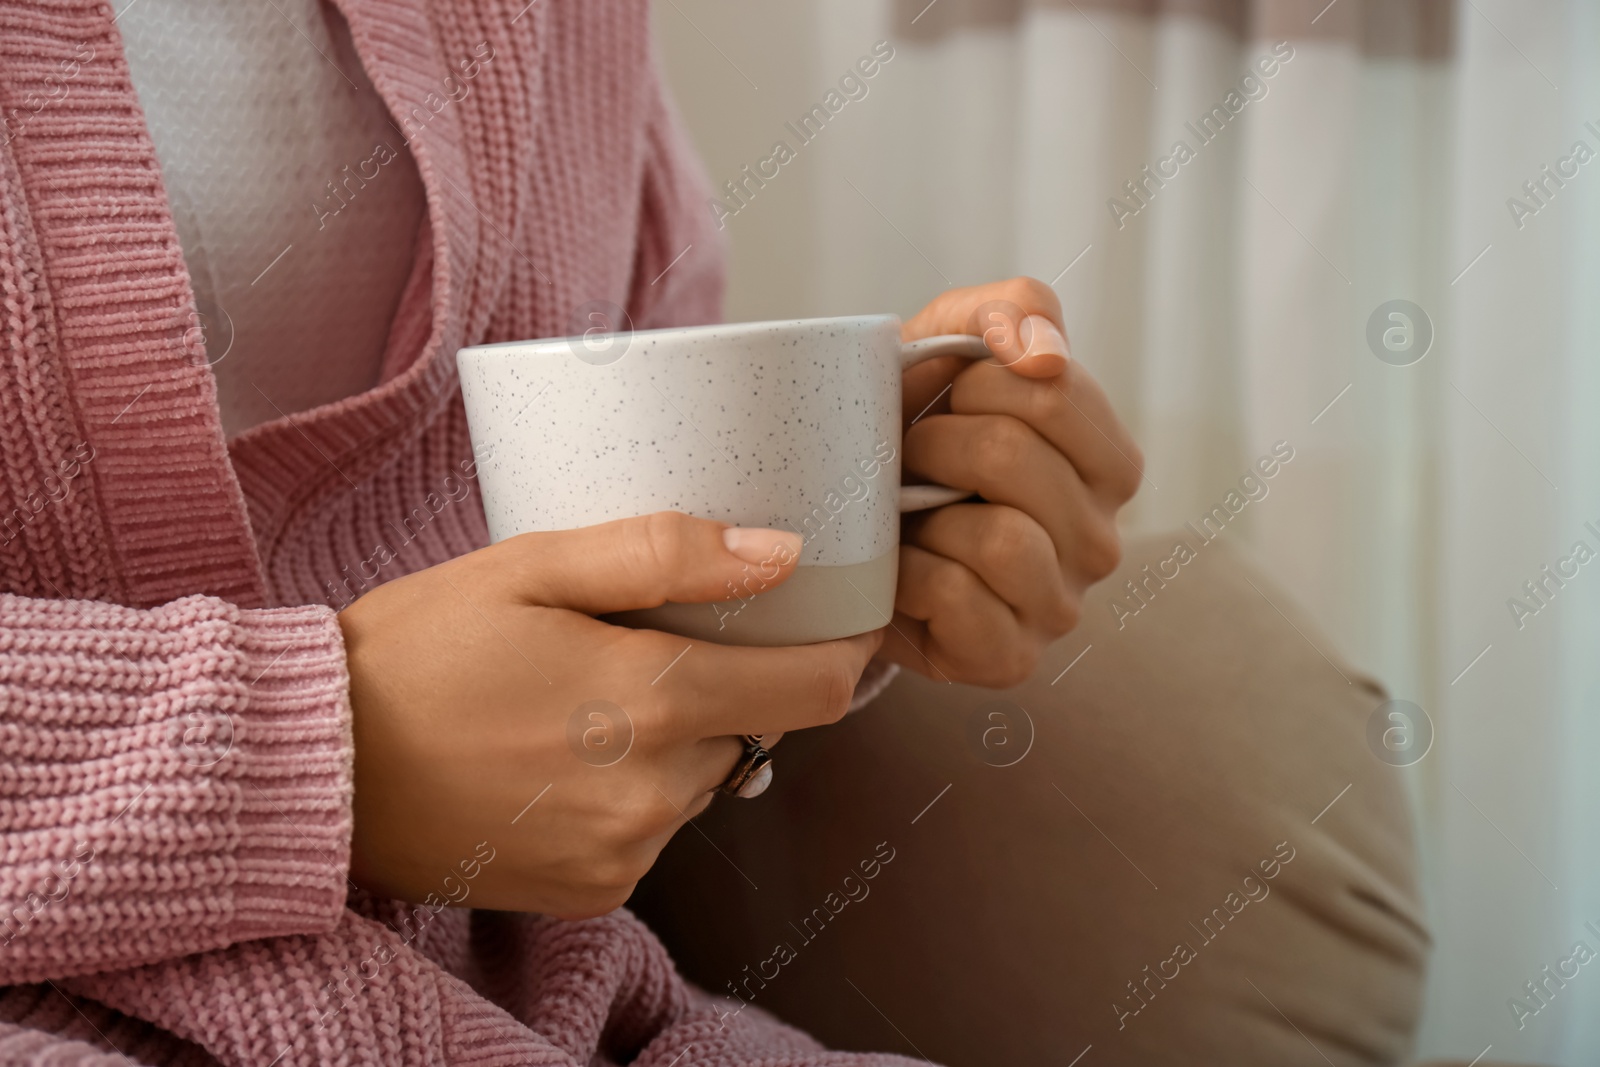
[478, 777]
[984, 587]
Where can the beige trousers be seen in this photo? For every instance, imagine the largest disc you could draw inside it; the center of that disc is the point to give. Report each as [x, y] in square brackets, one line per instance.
[1192, 856]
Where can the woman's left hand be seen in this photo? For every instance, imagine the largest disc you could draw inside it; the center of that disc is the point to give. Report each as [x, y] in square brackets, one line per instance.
[986, 585]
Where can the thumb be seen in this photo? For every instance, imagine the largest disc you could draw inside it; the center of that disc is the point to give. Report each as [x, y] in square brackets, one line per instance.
[1035, 349]
[648, 561]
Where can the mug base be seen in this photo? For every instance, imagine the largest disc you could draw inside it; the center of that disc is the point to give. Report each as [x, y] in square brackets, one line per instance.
[816, 604]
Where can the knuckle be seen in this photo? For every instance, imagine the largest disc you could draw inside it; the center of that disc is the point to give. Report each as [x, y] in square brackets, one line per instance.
[611, 874]
[646, 547]
[658, 719]
[1011, 537]
[1133, 472]
[628, 647]
[1009, 663]
[999, 445]
[1067, 611]
[639, 816]
[951, 587]
[1101, 552]
[655, 816]
[1017, 659]
[1019, 665]
[835, 685]
[1033, 295]
[1046, 402]
[663, 534]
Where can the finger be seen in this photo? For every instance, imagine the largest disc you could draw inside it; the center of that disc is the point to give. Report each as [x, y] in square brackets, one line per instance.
[708, 694]
[925, 389]
[1071, 411]
[707, 764]
[645, 562]
[1010, 552]
[684, 802]
[970, 631]
[906, 642]
[1007, 462]
[702, 769]
[1030, 346]
[689, 797]
[1020, 320]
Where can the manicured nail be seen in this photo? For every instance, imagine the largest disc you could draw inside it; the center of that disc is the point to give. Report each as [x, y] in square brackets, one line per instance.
[1043, 338]
[755, 544]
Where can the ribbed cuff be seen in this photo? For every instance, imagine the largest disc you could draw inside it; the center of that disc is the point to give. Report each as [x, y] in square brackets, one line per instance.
[294, 756]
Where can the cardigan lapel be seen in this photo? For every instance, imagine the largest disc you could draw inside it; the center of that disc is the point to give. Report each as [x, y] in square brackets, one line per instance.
[448, 77]
[173, 508]
[111, 356]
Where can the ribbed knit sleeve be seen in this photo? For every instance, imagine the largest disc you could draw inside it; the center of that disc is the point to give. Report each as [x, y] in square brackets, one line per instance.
[22, 1047]
[172, 780]
[563, 993]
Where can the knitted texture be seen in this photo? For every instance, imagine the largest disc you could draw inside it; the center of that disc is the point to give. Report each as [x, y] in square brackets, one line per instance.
[175, 793]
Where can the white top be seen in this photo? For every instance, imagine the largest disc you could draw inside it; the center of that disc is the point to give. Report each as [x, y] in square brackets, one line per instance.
[296, 201]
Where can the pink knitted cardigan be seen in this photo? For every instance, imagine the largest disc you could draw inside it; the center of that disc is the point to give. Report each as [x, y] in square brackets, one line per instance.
[175, 792]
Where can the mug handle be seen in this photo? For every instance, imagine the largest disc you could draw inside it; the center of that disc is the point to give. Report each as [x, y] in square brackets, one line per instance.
[968, 346]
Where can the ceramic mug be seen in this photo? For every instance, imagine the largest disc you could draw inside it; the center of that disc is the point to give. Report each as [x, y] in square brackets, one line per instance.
[792, 425]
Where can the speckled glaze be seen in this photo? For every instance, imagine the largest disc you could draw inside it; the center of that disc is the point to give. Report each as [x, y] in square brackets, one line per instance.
[754, 424]
[793, 425]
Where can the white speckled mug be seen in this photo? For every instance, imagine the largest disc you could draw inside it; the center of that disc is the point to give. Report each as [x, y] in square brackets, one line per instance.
[793, 425]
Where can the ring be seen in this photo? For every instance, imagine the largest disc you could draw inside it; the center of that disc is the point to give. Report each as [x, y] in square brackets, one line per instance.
[752, 774]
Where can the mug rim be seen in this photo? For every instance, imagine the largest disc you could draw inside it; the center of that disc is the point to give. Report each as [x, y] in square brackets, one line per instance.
[538, 346]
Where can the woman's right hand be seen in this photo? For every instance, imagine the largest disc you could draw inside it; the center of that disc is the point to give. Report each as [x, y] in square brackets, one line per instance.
[464, 678]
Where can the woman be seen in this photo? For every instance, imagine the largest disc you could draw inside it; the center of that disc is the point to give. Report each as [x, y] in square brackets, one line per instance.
[219, 790]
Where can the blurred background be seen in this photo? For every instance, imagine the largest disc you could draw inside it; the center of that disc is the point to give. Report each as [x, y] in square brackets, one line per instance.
[1378, 245]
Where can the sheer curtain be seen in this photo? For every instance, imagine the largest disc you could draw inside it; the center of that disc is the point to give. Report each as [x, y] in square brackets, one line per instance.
[1244, 292]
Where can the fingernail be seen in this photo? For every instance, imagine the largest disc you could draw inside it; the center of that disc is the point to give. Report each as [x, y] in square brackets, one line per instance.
[1043, 338]
[755, 544]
